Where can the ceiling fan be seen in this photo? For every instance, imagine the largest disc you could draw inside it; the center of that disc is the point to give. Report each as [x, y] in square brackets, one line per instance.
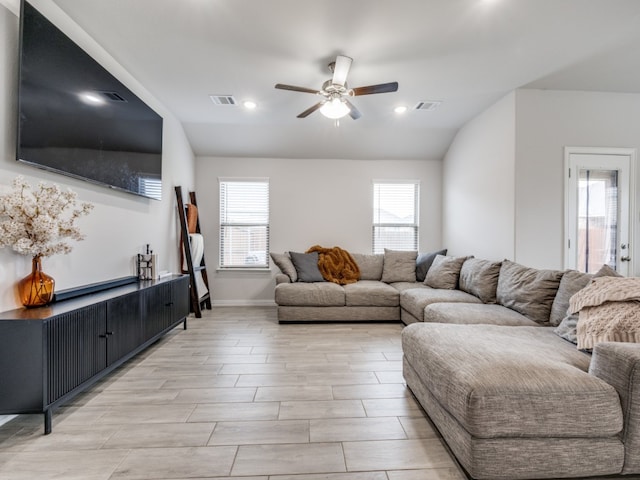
[335, 92]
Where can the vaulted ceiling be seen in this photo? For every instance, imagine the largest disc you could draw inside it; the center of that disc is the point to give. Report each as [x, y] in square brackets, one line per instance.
[465, 53]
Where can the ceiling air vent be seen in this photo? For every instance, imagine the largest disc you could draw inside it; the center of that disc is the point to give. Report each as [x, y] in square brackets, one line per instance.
[223, 99]
[113, 96]
[428, 105]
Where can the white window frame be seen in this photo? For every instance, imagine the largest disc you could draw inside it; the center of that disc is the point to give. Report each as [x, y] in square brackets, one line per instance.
[377, 223]
[263, 263]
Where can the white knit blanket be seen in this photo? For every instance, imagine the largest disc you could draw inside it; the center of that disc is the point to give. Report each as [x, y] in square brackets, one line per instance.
[197, 252]
[609, 311]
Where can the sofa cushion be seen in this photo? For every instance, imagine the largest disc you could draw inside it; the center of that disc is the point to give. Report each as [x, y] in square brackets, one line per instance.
[470, 313]
[415, 299]
[284, 263]
[318, 294]
[444, 272]
[512, 382]
[370, 265]
[480, 278]
[424, 262]
[402, 286]
[399, 266]
[527, 290]
[572, 281]
[371, 293]
[306, 266]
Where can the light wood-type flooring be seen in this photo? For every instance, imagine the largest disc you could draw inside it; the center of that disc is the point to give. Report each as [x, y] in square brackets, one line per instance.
[237, 395]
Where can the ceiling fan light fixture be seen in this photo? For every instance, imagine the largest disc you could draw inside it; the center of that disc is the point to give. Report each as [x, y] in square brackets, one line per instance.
[335, 108]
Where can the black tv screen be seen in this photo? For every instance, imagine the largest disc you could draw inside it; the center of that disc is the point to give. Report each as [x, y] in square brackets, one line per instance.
[77, 119]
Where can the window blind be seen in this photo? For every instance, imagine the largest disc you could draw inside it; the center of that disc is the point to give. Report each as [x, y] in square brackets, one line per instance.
[244, 223]
[395, 215]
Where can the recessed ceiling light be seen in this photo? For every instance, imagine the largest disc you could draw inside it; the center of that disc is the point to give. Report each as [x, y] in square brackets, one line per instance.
[249, 105]
[91, 98]
[400, 109]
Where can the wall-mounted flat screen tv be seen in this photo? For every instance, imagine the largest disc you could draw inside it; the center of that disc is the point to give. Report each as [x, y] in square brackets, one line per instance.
[77, 119]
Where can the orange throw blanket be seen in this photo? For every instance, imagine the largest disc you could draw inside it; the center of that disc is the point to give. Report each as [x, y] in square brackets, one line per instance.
[336, 265]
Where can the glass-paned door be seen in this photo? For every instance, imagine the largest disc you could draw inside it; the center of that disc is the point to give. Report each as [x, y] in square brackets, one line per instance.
[597, 212]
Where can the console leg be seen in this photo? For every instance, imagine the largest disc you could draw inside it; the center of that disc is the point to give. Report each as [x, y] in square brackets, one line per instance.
[47, 421]
[185, 323]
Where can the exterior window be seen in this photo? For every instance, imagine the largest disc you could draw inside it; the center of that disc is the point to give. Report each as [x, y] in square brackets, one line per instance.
[395, 215]
[244, 223]
[150, 187]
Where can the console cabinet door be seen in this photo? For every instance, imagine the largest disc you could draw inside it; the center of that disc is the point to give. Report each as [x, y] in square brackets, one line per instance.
[180, 298]
[124, 326]
[158, 309]
[76, 349]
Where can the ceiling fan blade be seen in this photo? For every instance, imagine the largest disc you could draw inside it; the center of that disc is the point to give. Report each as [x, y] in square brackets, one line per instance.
[293, 88]
[341, 69]
[381, 88]
[310, 110]
[353, 111]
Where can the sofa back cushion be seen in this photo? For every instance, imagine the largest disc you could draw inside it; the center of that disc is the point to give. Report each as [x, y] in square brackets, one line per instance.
[444, 272]
[480, 278]
[399, 266]
[527, 290]
[572, 282]
[370, 265]
[284, 263]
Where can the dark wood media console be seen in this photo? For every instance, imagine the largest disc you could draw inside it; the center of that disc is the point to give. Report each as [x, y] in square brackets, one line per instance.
[50, 354]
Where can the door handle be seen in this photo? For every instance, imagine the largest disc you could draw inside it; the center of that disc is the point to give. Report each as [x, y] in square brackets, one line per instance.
[625, 259]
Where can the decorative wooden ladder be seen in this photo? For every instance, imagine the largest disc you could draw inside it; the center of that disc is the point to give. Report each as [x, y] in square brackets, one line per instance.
[197, 303]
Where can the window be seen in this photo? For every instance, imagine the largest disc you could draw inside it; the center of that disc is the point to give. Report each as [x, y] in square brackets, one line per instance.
[395, 215]
[244, 223]
[150, 187]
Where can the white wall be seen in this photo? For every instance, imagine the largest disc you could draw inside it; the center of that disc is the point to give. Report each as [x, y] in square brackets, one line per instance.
[312, 202]
[547, 121]
[120, 223]
[478, 185]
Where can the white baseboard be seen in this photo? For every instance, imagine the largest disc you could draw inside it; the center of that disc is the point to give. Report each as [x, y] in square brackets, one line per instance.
[243, 303]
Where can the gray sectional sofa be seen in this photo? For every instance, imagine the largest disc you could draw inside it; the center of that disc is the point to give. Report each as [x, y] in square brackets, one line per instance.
[490, 354]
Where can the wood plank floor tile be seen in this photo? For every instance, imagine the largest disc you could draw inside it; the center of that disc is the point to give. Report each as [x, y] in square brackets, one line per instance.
[237, 395]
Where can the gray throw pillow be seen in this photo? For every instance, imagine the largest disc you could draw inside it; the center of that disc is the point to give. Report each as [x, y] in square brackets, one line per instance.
[424, 262]
[572, 282]
[480, 278]
[370, 265]
[528, 291]
[306, 266]
[399, 266]
[284, 263]
[444, 272]
[568, 327]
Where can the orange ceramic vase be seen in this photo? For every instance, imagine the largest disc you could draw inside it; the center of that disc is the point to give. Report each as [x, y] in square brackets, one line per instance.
[36, 289]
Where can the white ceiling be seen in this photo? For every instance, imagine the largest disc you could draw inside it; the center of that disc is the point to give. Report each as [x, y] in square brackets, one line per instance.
[466, 53]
